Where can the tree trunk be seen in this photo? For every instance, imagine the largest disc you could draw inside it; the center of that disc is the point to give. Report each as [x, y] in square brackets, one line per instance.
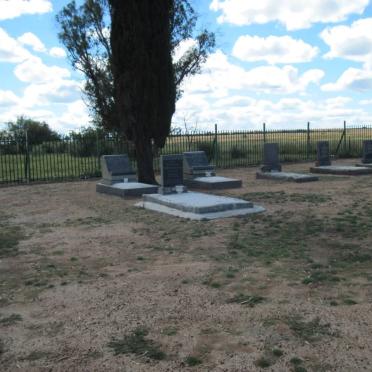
[144, 156]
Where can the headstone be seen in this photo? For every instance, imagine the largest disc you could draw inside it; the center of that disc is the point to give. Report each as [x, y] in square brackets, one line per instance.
[322, 154]
[367, 152]
[196, 164]
[271, 158]
[116, 168]
[171, 174]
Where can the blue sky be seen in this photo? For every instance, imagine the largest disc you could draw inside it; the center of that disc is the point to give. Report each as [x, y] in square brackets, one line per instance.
[280, 62]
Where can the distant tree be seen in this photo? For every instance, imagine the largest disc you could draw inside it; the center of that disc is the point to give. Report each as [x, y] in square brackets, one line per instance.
[37, 132]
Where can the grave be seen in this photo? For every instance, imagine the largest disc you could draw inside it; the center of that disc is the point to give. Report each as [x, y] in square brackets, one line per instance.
[323, 164]
[323, 157]
[271, 160]
[174, 199]
[119, 178]
[367, 154]
[272, 169]
[200, 174]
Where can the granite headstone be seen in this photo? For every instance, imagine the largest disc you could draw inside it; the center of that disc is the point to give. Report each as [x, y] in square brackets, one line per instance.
[116, 168]
[322, 154]
[367, 152]
[271, 158]
[171, 174]
[196, 164]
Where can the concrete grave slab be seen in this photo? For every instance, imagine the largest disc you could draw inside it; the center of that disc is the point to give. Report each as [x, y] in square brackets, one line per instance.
[199, 174]
[213, 183]
[342, 170]
[124, 189]
[287, 176]
[198, 206]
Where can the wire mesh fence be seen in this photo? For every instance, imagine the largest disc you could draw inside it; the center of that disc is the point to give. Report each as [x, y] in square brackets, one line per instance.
[69, 159]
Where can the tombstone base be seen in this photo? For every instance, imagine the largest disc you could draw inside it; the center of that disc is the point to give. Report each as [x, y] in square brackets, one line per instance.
[126, 189]
[162, 190]
[213, 183]
[198, 206]
[271, 168]
[364, 165]
[341, 170]
[287, 176]
[119, 179]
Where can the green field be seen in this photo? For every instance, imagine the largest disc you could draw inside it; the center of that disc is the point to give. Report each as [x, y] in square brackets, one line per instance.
[67, 159]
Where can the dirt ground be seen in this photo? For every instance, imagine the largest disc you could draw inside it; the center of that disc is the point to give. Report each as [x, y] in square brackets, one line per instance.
[89, 282]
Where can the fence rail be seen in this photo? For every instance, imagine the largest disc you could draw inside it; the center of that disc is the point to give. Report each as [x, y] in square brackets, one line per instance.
[69, 159]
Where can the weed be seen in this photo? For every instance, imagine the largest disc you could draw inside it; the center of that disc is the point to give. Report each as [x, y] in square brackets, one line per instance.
[250, 300]
[136, 343]
[262, 362]
[9, 239]
[36, 355]
[349, 301]
[170, 331]
[10, 320]
[296, 361]
[192, 361]
[278, 352]
[309, 331]
[320, 277]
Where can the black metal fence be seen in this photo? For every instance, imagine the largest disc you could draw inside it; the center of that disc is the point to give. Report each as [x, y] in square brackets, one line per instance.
[69, 159]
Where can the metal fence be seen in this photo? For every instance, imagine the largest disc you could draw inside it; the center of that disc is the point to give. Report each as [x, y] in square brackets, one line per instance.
[69, 159]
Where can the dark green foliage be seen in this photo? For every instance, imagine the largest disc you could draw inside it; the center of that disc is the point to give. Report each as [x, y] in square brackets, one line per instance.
[310, 331]
[136, 343]
[278, 352]
[192, 361]
[237, 153]
[296, 361]
[207, 147]
[262, 362]
[10, 320]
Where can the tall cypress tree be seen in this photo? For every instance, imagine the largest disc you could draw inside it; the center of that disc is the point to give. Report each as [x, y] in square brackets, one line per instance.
[144, 81]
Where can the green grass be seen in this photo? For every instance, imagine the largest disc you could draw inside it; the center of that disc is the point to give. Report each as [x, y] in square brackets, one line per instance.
[243, 299]
[10, 320]
[192, 361]
[310, 331]
[137, 343]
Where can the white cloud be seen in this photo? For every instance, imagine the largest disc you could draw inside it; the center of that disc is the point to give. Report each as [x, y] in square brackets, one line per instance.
[34, 70]
[294, 14]
[219, 78]
[352, 42]
[366, 102]
[55, 91]
[8, 98]
[353, 79]
[273, 49]
[57, 52]
[242, 112]
[182, 48]
[33, 41]
[11, 50]
[14, 8]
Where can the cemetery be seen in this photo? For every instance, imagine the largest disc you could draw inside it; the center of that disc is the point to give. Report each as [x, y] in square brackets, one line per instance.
[75, 263]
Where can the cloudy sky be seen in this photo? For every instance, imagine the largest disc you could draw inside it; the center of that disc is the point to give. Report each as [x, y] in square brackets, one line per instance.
[281, 62]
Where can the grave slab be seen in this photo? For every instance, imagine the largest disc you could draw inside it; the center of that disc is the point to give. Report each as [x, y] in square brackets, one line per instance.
[342, 170]
[198, 206]
[287, 176]
[213, 183]
[124, 189]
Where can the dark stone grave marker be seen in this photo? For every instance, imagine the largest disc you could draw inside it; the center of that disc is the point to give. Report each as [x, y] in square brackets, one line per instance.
[322, 154]
[271, 158]
[367, 152]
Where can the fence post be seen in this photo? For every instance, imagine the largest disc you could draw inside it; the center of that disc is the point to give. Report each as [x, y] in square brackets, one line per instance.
[308, 141]
[27, 160]
[264, 132]
[215, 144]
[345, 137]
